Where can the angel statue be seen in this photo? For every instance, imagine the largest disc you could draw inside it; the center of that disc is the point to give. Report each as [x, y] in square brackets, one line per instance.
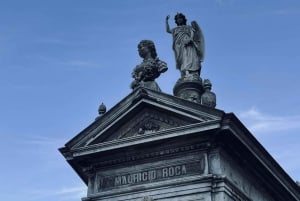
[188, 46]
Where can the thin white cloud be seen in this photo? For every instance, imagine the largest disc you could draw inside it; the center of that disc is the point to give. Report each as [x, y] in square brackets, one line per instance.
[59, 41]
[289, 159]
[71, 192]
[287, 155]
[74, 63]
[43, 149]
[61, 194]
[223, 2]
[42, 140]
[79, 63]
[56, 41]
[287, 11]
[260, 122]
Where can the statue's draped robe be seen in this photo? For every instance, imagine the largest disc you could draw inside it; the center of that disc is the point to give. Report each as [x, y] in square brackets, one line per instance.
[185, 55]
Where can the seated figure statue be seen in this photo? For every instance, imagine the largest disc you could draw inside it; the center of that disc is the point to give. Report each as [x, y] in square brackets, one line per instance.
[151, 67]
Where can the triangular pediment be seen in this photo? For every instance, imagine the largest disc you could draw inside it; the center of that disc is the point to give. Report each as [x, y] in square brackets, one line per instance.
[147, 120]
[141, 113]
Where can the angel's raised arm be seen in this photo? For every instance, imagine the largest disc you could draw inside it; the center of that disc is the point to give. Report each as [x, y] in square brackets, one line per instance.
[167, 24]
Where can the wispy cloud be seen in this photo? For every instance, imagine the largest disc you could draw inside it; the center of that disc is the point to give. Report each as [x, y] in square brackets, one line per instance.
[43, 152]
[71, 192]
[42, 140]
[223, 2]
[82, 63]
[56, 41]
[286, 11]
[79, 63]
[65, 41]
[260, 122]
[61, 194]
[283, 146]
[289, 158]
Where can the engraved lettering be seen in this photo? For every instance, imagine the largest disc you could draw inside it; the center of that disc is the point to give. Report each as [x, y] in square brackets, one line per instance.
[124, 180]
[177, 170]
[152, 175]
[135, 178]
[118, 181]
[144, 176]
[129, 179]
[106, 182]
[183, 169]
[165, 172]
[171, 171]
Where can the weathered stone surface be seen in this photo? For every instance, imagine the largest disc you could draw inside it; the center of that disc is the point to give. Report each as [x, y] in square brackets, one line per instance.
[156, 146]
[189, 90]
[145, 173]
[188, 46]
[144, 112]
[151, 67]
[208, 98]
[147, 198]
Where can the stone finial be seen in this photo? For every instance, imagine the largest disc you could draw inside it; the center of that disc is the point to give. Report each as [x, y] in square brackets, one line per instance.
[101, 109]
[208, 98]
[207, 84]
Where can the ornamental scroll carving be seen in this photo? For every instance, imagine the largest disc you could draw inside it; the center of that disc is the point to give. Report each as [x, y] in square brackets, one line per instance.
[148, 126]
[149, 122]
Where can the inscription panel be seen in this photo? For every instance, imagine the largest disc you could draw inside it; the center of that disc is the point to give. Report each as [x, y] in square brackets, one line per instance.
[148, 173]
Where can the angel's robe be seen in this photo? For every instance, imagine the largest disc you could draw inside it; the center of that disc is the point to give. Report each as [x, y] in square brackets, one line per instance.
[185, 50]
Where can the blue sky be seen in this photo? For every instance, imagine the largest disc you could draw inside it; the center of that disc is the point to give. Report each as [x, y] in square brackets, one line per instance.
[60, 59]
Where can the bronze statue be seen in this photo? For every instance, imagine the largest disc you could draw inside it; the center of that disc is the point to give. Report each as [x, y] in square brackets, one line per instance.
[188, 46]
[151, 67]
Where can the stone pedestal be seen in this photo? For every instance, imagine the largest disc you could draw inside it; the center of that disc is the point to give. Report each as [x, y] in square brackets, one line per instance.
[189, 89]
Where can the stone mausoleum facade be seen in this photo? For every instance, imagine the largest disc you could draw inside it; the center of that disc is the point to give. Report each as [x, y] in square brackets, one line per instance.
[152, 146]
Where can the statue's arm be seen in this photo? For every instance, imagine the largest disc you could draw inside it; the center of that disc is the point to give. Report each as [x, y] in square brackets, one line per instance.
[167, 24]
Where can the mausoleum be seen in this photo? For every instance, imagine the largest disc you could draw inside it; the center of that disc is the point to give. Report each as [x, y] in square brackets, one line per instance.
[157, 146]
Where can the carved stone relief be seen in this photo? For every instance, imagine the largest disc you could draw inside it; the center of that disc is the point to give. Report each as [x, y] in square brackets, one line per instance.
[150, 173]
[147, 121]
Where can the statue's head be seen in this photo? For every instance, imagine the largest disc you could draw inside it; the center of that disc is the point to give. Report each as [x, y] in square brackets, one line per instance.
[180, 19]
[147, 45]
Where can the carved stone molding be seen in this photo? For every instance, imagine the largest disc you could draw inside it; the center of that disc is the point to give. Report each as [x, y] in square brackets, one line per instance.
[154, 154]
[147, 198]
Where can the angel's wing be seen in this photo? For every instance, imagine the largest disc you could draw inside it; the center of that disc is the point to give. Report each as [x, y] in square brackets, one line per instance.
[198, 40]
